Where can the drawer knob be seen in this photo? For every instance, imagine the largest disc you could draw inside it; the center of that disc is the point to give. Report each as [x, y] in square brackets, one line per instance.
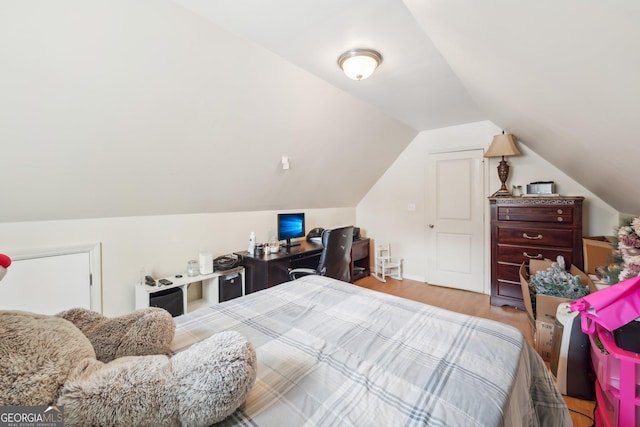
[559, 211]
[560, 219]
[508, 210]
[508, 217]
[526, 236]
[539, 256]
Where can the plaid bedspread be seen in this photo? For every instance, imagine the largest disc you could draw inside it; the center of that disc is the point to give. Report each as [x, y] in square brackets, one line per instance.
[334, 354]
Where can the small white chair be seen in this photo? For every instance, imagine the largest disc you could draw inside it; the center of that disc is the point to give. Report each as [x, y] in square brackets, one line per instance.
[385, 265]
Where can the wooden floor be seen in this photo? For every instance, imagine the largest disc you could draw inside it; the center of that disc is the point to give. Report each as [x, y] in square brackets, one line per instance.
[476, 305]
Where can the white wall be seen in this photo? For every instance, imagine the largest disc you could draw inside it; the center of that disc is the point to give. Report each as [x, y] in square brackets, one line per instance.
[125, 108]
[383, 213]
[598, 217]
[161, 245]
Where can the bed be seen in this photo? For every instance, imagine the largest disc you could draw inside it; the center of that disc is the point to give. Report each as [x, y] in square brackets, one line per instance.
[334, 354]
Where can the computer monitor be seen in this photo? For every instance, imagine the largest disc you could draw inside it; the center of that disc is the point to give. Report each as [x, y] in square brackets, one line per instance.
[290, 226]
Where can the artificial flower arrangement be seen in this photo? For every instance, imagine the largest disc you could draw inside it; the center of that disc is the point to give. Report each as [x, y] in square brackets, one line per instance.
[556, 281]
[627, 248]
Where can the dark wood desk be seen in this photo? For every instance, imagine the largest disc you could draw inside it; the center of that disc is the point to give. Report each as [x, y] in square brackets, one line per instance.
[265, 271]
[360, 259]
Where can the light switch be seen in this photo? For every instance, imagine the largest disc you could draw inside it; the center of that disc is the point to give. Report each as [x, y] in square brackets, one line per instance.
[411, 207]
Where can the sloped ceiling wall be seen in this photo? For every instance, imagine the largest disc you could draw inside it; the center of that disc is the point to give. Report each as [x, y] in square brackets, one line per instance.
[121, 108]
[563, 76]
[124, 108]
[413, 83]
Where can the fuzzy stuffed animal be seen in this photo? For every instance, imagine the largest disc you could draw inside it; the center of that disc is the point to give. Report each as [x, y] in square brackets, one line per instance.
[143, 332]
[47, 360]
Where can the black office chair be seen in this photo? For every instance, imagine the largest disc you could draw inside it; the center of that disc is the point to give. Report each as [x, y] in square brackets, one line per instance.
[335, 258]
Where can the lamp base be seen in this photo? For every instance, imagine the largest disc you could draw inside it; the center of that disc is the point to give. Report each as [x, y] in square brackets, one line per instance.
[502, 193]
[503, 174]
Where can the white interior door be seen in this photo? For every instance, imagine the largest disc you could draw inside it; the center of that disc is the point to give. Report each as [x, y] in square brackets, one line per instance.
[455, 226]
[52, 281]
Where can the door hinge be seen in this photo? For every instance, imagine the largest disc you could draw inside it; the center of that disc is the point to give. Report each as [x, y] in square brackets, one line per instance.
[90, 279]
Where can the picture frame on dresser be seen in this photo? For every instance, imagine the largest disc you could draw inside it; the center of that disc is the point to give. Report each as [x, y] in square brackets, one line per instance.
[524, 228]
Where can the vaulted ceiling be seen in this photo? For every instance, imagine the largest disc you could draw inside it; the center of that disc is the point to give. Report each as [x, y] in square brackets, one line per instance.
[151, 107]
[563, 76]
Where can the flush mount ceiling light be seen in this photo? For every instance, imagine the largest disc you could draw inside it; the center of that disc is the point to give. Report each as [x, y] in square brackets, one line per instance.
[358, 64]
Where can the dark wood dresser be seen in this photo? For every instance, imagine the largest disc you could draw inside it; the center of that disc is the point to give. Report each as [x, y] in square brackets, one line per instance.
[524, 228]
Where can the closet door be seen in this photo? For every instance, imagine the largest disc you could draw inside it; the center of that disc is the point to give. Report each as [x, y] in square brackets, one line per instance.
[48, 283]
[455, 220]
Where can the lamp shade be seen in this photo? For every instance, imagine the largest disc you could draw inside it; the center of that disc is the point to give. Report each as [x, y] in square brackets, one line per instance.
[502, 145]
[358, 64]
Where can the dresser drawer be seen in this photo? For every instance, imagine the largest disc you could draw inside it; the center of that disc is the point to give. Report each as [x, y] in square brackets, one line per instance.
[536, 236]
[509, 290]
[508, 272]
[359, 249]
[552, 214]
[520, 254]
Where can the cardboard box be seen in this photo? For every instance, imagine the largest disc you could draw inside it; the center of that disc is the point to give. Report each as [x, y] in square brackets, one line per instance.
[544, 317]
[598, 252]
[543, 339]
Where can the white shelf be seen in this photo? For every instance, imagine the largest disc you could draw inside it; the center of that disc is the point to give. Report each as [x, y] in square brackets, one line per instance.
[199, 303]
[210, 289]
[179, 282]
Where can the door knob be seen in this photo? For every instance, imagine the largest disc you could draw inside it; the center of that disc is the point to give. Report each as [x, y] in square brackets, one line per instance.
[430, 225]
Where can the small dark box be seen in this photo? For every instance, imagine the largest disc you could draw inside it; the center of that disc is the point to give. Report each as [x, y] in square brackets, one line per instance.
[628, 337]
[230, 287]
[169, 299]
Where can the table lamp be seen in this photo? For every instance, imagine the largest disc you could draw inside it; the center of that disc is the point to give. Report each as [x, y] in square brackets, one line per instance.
[501, 146]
